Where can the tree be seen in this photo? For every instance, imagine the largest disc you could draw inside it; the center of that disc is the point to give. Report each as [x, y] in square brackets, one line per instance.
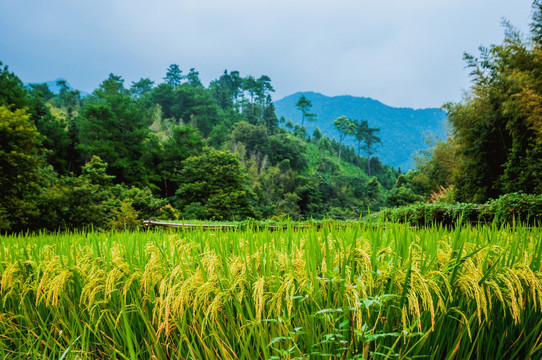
[360, 128]
[57, 141]
[317, 135]
[369, 139]
[497, 126]
[289, 125]
[42, 91]
[304, 105]
[141, 87]
[20, 164]
[213, 185]
[437, 166]
[270, 117]
[183, 143]
[55, 136]
[284, 146]
[254, 137]
[227, 89]
[264, 88]
[68, 97]
[115, 127]
[174, 75]
[402, 195]
[193, 78]
[345, 126]
[374, 197]
[12, 90]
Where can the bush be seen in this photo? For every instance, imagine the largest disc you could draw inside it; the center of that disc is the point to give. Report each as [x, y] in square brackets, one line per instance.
[517, 207]
[526, 208]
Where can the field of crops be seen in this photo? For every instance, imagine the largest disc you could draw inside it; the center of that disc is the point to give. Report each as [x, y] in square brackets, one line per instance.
[345, 292]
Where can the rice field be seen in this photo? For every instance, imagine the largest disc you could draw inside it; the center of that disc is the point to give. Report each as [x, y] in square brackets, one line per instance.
[333, 292]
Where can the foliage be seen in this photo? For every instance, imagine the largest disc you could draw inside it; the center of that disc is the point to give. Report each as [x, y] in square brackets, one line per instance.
[113, 128]
[403, 195]
[304, 105]
[12, 91]
[509, 208]
[518, 207]
[124, 217]
[345, 127]
[20, 164]
[92, 200]
[496, 142]
[147, 135]
[213, 185]
[403, 130]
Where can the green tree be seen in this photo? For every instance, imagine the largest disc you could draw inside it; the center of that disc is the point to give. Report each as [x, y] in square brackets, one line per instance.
[42, 91]
[437, 166]
[115, 127]
[316, 134]
[285, 146]
[174, 75]
[304, 105]
[69, 98]
[12, 90]
[227, 89]
[183, 143]
[193, 78]
[255, 138]
[374, 196]
[214, 183]
[369, 140]
[360, 128]
[346, 127]
[54, 130]
[496, 127]
[142, 87]
[20, 163]
[189, 104]
[270, 117]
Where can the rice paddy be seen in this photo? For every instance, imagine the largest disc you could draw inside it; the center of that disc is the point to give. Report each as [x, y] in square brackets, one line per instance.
[333, 292]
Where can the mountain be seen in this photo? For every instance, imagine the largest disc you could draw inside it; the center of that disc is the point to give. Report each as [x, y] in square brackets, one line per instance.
[403, 130]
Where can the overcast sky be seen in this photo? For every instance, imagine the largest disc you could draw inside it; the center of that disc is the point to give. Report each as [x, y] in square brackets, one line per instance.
[401, 52]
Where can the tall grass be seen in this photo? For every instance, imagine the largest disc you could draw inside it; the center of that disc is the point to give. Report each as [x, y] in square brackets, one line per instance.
[334, 292]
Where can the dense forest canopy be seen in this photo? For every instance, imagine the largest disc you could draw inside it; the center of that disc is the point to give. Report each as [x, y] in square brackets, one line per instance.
[171, 150]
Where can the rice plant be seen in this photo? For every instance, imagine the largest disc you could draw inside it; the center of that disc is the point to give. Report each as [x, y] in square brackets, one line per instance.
[345, 292]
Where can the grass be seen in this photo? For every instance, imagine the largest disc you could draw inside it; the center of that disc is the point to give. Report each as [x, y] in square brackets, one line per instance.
[345, 292]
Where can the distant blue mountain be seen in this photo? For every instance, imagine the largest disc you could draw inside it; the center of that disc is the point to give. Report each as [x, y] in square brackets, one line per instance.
[403, 131]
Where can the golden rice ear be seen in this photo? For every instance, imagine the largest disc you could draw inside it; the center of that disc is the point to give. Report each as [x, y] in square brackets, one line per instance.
[224, 291]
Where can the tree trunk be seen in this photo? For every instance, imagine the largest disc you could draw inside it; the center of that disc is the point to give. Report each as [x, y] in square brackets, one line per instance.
[340, 146]
[368, 163]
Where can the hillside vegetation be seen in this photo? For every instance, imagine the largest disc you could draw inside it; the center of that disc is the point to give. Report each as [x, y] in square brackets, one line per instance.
[404, 131]
[171, 150]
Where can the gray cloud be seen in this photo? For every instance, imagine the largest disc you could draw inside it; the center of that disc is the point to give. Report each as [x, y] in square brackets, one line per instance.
[404, 53]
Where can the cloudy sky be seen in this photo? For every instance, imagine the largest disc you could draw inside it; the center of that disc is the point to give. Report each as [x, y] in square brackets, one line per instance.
[401, 52]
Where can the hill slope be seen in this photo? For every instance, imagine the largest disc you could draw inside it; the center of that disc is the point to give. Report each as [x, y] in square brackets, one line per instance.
[403, 130]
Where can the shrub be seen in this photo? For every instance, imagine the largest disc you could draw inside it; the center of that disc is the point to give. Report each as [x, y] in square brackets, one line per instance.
[518, 207]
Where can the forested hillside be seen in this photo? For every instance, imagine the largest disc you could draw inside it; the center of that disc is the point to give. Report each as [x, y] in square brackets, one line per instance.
[403, 131]
[180, 150]
[171, 150]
